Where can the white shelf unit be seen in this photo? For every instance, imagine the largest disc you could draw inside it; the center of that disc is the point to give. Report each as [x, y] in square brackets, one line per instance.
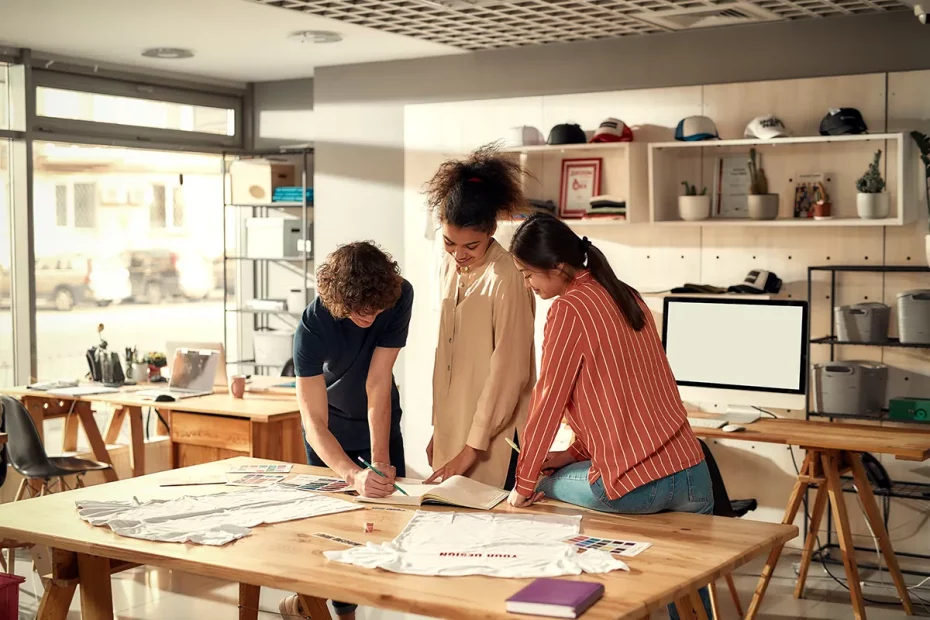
[623, 174]
[842, 159]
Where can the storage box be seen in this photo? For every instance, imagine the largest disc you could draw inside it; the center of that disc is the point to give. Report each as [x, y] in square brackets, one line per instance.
[914, 317]
[272, 237]
[273, 348]
[850, 388]
[253, 181]
[865, 322]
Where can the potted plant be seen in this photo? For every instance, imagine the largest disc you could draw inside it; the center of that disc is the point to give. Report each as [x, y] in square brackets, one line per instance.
[693, 207]
[762, 205]
[823, 210]
[923, 143]
[155, 361]
[872, 202]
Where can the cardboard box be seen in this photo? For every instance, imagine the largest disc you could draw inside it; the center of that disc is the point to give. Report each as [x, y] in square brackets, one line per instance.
[272, 237]
[253, 181]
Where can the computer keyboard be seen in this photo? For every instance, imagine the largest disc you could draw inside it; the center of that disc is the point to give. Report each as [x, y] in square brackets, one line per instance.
[707, 422]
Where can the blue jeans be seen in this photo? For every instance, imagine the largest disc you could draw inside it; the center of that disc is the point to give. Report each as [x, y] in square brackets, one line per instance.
[686, 491]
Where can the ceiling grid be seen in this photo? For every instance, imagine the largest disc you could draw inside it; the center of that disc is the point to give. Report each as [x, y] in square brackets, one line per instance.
[474, 25]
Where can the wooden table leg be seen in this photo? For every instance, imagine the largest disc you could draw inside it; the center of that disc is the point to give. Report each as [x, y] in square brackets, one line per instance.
[714, 607]
[96, 595]
[136, 424]
[69, 440]
[249, 596]
[878, 528]
[734, 594]
[698, 605]
[820, 503]
[315, 607]
[96, 441]
[685, 608]
[794, 503]
[56, 601]
[115, 425]
[838, 504]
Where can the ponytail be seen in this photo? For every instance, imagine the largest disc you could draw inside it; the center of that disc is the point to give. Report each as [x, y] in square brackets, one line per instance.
[544, 242]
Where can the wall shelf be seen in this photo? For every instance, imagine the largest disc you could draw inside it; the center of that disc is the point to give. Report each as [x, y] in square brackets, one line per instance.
[841, 160]
[564, 148]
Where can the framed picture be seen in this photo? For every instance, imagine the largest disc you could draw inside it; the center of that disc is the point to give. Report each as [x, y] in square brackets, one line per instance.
[581, 181]
[731, 187]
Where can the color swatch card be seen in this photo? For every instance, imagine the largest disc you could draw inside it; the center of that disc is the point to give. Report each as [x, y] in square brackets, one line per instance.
[256, 480]
[261, 469]
[309, 482]
[623, 548]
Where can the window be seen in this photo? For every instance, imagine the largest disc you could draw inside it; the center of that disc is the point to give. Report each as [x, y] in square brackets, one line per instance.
[4, 96]
[61, 205]
[6, 314]
[110, 264]
[85, 205]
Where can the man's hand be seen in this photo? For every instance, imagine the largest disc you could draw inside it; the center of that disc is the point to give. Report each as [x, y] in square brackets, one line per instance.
[458, 466]
[369, 484]
[520, 501]
[390, 473]
[429, 451]
[557, 460]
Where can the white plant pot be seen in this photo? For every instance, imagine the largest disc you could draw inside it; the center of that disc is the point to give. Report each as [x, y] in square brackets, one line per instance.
[763, 206]
[694, 208]
[873, 206]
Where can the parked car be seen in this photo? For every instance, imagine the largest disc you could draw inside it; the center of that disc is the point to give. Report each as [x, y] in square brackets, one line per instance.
[108, 280]
[153, 274]
[195, 276]
[63, 281]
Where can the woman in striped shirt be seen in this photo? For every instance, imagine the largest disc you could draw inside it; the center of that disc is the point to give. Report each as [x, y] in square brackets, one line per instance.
[603, 370]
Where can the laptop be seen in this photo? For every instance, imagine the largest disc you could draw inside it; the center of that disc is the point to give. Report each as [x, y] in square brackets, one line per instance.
[221, 383]
[193, 372]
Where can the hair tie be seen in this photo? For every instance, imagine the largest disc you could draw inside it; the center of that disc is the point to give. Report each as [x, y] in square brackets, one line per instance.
[474, 180]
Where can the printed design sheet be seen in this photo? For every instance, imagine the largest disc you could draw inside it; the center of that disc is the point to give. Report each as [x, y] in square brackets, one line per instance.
[323, 484]
[209, 519]
[496, 545]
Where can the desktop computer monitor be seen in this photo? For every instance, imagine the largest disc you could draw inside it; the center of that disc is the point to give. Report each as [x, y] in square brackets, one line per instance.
[736, 352]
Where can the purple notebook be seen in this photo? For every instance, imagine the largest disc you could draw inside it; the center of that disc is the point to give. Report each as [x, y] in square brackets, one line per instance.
[555, 598]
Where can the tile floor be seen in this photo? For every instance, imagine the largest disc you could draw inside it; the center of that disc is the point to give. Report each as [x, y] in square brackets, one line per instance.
[154, 593]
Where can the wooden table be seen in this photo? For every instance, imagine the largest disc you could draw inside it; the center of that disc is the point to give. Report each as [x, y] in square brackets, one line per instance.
[689, 551]
[833, 449]
[202, 429]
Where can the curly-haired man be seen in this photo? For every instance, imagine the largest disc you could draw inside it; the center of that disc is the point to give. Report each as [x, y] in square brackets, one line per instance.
[344, 353]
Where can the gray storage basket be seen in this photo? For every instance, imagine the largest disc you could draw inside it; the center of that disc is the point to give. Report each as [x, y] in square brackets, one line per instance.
[865, 322]
[914, 317]
[850, 388]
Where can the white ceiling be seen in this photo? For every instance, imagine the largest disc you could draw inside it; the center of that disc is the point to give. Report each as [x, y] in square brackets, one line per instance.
[232, 39]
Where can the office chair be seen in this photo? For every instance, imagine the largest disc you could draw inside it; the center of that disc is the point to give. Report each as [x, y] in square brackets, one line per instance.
[288, 370]
[725, 507]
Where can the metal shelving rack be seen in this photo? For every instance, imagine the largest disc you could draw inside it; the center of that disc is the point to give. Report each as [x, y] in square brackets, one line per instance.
[899, 490]
[301, 265]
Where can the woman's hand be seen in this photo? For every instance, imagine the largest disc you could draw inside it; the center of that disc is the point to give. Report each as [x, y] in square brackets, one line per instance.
[557, 460]
[458, 466]
[429, 451]
[521, 501]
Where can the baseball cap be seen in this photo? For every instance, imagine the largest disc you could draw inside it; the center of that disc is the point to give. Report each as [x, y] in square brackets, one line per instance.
[613, 130]
[765, 128]
[842, 121]
[524, 136]
[694, 128]
[758, 281]
[567, 133]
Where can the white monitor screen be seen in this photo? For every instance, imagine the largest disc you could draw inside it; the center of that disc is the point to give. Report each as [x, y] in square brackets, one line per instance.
[735, 344]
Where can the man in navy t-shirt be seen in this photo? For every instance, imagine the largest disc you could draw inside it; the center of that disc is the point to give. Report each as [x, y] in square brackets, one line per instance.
[344, 353]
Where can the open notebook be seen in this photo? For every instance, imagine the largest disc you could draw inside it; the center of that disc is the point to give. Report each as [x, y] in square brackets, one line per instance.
[456, 491]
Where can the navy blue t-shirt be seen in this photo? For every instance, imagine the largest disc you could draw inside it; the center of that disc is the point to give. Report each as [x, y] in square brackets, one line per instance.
[341, 351]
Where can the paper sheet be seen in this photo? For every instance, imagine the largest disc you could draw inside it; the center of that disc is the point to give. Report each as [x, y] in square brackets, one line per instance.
[496, 545]
[209, 519]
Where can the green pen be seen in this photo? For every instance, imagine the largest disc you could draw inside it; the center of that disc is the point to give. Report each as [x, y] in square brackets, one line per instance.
[372, 468]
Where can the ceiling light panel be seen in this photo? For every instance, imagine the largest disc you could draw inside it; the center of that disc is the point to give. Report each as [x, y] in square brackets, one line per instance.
[487, 24]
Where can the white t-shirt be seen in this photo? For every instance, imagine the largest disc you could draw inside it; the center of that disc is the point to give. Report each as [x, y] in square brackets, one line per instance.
[496, 545]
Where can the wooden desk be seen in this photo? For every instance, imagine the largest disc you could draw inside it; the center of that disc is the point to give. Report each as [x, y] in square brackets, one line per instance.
[202, 429]
[833, 449]
[2, 438]
[689, 551]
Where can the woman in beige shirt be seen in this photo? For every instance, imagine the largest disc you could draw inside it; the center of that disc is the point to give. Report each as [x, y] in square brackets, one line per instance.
[485, 369]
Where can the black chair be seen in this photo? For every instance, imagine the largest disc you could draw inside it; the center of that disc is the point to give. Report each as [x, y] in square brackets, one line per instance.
[288, 370]
[725, 507]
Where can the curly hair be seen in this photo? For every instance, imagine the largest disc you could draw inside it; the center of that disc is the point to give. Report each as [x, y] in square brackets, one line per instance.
[477, 191]
[358, 278]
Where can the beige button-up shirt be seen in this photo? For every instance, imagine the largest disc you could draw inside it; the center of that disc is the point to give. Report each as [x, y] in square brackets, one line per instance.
[485, 368]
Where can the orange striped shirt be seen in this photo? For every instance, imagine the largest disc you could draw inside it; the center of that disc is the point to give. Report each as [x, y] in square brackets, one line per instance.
[616, 389]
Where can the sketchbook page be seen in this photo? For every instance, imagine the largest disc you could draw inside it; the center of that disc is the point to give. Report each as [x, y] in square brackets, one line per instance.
[468, 493]
[415, 492]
